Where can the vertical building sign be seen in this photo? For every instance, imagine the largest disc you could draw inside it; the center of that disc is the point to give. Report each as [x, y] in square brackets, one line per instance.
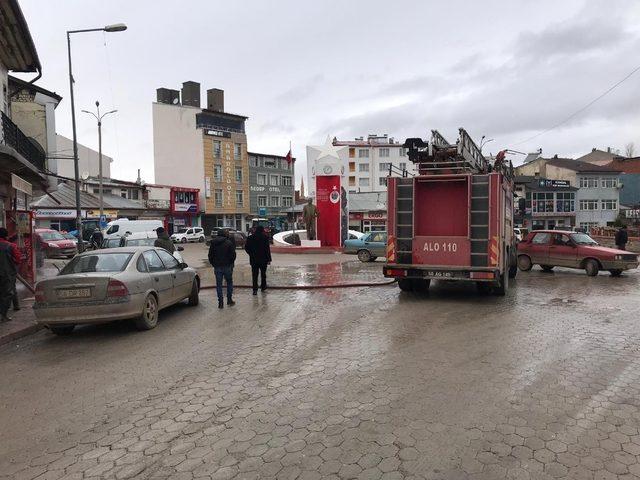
[228, 174]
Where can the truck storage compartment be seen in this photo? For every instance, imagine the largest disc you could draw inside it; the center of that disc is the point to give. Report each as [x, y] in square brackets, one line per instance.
[441, 221]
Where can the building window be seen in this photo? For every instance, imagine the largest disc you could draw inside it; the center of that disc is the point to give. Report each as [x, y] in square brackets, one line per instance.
[275, 201]
[609, 204]
[542, 202]
[384, 167]
[286, 181]
[352, 166]
[363, 182]
[239, 198]
[217, 197]
[384, 152]
[274, 180]
[609, 182]
[262, 201]
[382, 181]
[217, 173]
[262, 179]
[565, 202]
[352, 181]
[403, 166]
[403, 151]
[588, 182]
[123, 193]
[588, 204]
[363, 153]
[287, 201]
[363, 167]
[237, 151]
[217, 148]
[253, 161]
[352, 153]
[270, 163]
[239, 174]
[587, 226]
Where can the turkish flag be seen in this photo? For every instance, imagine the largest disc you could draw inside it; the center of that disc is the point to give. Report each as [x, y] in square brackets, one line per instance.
[289, 158]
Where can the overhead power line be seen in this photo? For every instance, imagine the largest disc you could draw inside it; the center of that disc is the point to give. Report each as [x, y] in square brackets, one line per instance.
[578, 112]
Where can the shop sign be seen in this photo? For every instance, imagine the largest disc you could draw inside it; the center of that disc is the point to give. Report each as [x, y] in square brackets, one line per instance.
[21, 184]
[185, 208]
[53, 213]
[217, 133]
[157, 204]
[544, 183]
[375, 216]
[632, 213]
[355, 216]
[109, 213]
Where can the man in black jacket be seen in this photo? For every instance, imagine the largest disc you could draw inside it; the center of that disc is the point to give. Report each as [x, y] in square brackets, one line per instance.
[222, 255]
[622, 237]
[259, 251]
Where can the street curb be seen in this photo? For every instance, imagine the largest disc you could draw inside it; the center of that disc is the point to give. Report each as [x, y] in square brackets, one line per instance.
[30, 330]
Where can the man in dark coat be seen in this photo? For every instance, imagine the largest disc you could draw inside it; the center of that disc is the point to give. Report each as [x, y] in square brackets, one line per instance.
[10, 258]
[622, 237]
[164, 241]
[222, 256]
[259, 251]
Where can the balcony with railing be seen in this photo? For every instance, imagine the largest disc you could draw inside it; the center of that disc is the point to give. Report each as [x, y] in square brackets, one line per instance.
[11, 136]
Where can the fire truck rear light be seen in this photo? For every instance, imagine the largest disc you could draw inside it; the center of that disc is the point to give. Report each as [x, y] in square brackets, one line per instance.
[396, 272]
[482, 275]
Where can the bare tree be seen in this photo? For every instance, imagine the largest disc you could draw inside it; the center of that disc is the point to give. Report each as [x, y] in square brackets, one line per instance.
[629, 149]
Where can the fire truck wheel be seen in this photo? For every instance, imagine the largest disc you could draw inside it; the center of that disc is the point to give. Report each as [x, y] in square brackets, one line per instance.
[364, 256]
[501, 288]
[513, 271]
[420, 284]
[524, 263]
[405, 284]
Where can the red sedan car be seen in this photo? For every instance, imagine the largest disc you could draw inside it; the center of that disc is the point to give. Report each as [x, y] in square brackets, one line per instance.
[553, 248]
[54, 244]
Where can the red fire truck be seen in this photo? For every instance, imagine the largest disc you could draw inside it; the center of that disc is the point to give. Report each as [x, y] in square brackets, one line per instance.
[454, 219]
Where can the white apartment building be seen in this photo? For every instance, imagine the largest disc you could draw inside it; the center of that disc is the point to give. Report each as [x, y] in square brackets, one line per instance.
[366, 163]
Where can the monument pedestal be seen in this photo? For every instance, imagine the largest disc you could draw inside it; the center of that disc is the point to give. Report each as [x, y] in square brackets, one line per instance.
[310, 243]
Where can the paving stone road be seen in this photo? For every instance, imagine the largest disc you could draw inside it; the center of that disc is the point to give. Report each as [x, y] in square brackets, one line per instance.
[350, 383]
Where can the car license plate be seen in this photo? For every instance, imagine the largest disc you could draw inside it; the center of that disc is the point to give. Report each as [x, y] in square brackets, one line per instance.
[74, 293]
[437, 274]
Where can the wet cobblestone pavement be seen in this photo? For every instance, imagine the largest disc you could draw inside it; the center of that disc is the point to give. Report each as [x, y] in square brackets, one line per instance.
[355, 383]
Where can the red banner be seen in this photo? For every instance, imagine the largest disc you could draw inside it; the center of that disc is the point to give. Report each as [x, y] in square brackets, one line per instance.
[20, 226]
[329, 215]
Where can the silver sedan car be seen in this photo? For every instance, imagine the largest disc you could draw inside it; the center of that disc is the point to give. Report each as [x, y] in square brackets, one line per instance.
[114, 284]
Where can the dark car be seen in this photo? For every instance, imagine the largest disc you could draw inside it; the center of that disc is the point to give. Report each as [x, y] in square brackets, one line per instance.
[239, 238]
[54, 245]
[553, 248]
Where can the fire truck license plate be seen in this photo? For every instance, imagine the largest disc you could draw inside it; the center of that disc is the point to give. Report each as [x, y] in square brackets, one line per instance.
[434, 273]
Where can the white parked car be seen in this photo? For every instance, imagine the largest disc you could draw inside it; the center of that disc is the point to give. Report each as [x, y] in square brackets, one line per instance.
[191, 234]
[114, 284]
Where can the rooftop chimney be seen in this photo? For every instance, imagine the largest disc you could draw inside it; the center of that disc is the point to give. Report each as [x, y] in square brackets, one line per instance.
[191, 94]
[166, 95]
[215, 99]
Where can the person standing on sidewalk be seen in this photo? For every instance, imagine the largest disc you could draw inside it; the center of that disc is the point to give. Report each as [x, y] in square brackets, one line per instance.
[259, 251]
[222, 256]
[622, 237]
[10, 258]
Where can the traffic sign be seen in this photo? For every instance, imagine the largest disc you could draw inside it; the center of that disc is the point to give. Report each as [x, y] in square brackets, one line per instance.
[262, 211]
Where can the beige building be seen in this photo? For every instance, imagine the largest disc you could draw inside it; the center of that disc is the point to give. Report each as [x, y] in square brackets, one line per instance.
[204, 148]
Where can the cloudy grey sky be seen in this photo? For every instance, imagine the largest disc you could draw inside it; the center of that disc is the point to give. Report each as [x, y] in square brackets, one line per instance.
[302, 70]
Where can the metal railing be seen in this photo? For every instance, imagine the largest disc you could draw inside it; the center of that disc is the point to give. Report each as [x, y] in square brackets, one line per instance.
[13, 137]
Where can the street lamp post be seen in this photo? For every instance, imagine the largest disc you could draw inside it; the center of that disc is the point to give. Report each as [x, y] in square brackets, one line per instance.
[99, 118]
[118, 27]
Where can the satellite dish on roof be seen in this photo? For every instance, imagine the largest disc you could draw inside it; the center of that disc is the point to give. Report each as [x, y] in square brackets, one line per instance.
[176, 101]
[84, 176]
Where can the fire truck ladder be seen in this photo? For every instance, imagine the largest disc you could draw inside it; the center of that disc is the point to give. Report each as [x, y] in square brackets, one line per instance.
[440, 156]
[404, 220]
[479, 220]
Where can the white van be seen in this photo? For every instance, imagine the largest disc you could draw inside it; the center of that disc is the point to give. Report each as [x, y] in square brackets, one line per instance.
[117, 228]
